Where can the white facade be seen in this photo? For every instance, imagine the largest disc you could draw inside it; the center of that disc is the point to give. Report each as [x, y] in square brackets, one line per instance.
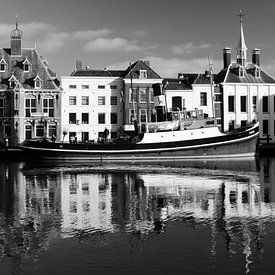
[192, 98]
[88, 103]
[254, 111]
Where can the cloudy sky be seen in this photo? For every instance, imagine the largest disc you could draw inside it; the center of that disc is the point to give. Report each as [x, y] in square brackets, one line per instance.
[174, 35]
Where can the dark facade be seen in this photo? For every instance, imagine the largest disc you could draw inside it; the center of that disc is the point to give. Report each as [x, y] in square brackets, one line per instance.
[29, 94]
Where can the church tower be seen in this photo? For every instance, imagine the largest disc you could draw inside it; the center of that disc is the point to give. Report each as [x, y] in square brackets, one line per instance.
[241, 47]
[16, 38]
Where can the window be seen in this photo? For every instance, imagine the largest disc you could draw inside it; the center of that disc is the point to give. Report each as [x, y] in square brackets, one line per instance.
[26, 67]
[132, 95]
[72, 118]
[243, 104]
[84, 86]
[101, 118]
[151, 95]
[142, 95]
[257, 72]
[131, 116]
[85, 118]
[254, 104]
[218, 97]
[101, 86]
[7, 130]
[85, 100]
[203, 96]
[113, 87]
[101, 100]
[176, 103]
[1, 107]
[113, 118]
[30, 106]
[265, 127]
[48, 106]
[142, 115]
[72, 86]
[39, 130]
[85, 136]
[28, 131]
[243, 123]
[12, 84]
[231, 101]
[241, 72]
[142, 74]
[72, 100]
[37, 83]
[113, 100]
[52, 130]
[265, 104]
[2, 67]
[231, 125]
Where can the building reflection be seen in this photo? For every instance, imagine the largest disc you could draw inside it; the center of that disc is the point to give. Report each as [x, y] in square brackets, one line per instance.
[37, 206]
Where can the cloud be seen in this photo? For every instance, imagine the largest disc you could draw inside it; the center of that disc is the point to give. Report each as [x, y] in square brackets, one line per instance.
[170, 67]
[187, 48]
[52, 42]
[90, 34]
[112, 44]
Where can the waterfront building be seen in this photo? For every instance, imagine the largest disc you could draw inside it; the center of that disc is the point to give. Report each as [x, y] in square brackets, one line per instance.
[246, 91]
[96, 103]
[189, 92]
[29, 94]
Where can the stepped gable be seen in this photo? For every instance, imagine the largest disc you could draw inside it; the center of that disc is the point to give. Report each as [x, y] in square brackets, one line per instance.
[133, 70]
[231, 75]
[175, 84]
[14, 68]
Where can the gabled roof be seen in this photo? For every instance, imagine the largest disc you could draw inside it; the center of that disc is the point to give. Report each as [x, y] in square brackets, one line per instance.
[231, 75]
[26, 79]
[175, 84]
[133, 70]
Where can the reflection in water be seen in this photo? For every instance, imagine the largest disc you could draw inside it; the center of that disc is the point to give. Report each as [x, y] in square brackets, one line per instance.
[38, 208]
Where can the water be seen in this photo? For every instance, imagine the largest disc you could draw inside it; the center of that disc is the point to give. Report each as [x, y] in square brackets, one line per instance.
[216, 218]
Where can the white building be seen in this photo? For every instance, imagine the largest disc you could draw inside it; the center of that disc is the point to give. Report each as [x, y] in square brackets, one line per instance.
[189, 92]
[91, 103]
[246, 91]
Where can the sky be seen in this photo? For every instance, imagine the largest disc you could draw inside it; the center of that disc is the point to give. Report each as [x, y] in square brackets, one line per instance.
[174, 35]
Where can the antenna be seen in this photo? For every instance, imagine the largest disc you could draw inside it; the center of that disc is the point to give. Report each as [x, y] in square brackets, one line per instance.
[241, 15]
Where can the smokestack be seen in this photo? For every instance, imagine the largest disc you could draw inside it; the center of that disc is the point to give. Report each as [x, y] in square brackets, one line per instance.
[226, 57]
[256, 57]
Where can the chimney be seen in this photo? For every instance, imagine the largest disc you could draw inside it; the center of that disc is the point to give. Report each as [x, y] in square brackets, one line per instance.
[226, 57]
[147, 63]
[256, 57]
[78, 65]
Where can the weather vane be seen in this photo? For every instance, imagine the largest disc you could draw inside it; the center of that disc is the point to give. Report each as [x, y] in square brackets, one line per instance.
[241, 15]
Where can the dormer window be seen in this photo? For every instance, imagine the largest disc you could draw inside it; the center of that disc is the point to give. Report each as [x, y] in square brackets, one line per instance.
[241, 72]
[26, 65]
[12, 82]
[257, 72]
[37, 82]
[3, 65]
[142, 74]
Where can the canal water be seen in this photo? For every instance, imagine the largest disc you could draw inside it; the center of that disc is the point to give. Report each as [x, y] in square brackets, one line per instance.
[170, 218]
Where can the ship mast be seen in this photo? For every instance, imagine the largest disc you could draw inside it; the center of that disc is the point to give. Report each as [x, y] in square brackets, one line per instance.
[211, 86]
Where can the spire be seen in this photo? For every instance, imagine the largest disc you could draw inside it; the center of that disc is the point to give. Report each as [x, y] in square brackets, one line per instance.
[16, 33]
[16, 37]
[241, 47]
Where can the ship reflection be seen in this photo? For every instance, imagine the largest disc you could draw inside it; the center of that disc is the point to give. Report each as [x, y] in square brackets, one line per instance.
[37, 207]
